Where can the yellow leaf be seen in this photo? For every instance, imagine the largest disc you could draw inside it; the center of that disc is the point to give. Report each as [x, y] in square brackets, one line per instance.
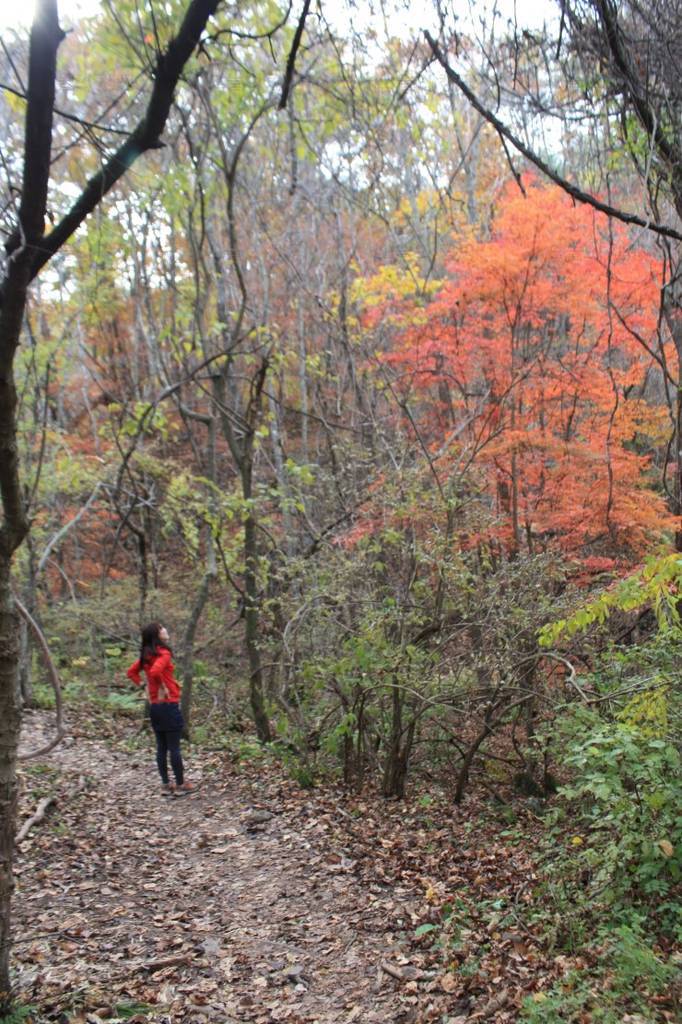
[539, 997]
[666, 847]
[577, 841]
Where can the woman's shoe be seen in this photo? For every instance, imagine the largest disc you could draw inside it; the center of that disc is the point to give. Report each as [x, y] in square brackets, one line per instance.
[183, 789]
[167, 788]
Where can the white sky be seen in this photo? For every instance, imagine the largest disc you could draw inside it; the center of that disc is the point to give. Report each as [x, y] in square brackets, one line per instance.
[530, 13]
[20, 15]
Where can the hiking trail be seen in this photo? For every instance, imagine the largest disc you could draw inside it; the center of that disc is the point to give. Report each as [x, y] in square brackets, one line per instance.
[233, 904]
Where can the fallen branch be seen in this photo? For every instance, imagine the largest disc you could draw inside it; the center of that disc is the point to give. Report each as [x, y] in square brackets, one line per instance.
[170, 961]
[35, 819]
[493, 1004]
[394, 972]
[56, 684]
[152, 966]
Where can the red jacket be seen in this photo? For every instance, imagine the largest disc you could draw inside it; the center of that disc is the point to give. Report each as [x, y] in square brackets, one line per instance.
[162, 686]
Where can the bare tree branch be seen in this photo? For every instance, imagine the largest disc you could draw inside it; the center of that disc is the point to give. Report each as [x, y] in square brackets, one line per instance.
[54, 678]
[291, 61]
[46, 36]
[52, 543]
[69, 117]
[145, 136]
[572, 190]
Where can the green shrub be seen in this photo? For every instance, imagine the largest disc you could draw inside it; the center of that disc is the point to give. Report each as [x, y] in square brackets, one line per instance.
[623, 804]
[613, 851]
[123, 703]
[18, 1015]
[626, 977]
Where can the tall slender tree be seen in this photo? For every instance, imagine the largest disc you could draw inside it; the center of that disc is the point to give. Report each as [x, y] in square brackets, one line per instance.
[28, 250]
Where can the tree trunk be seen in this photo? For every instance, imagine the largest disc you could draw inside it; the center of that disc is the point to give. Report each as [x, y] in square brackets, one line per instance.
[25, 673]
[252, 631]
[463, 776]
[514, 479]
[677, 435]
[288, 523]
[30, 600]
[400, 748]
[187, 659]
[9, 737]
[28, 249]
[46, 36]
[303, 383]
[672, 308]
[242, 452]
[395, 775]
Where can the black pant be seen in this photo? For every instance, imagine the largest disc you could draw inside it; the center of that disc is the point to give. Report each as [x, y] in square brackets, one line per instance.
[168, 725]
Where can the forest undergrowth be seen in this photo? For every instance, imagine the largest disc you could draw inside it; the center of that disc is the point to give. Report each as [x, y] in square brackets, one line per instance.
[261, 899]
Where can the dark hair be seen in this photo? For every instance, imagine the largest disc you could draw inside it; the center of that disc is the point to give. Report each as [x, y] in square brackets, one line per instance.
[150, 642]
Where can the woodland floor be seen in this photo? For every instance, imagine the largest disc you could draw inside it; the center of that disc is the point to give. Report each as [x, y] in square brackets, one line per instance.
[255, 901]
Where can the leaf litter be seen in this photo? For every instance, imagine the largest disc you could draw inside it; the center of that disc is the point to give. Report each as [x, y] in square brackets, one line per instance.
[253, 900]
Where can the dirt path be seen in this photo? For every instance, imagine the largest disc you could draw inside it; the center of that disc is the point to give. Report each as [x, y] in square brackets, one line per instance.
[230, 905]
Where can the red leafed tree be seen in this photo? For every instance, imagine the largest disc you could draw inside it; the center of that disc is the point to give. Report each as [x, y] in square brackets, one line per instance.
[536, 341]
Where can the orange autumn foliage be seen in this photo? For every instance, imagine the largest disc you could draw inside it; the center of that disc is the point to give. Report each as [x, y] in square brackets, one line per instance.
[534, 341]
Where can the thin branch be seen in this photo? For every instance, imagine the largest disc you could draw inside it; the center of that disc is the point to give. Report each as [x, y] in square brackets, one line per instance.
[60, 534]
[145, 136]
[54, 677]
[13, 66]
[69, 117]
[40, 812]
[214, 37]
[572, 190]
[571, 678]
[291, 60]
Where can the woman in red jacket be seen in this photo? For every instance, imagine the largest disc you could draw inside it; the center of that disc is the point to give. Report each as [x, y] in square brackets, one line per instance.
[163, 691]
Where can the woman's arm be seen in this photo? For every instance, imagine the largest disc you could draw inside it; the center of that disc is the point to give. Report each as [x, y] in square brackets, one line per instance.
[134, 672]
